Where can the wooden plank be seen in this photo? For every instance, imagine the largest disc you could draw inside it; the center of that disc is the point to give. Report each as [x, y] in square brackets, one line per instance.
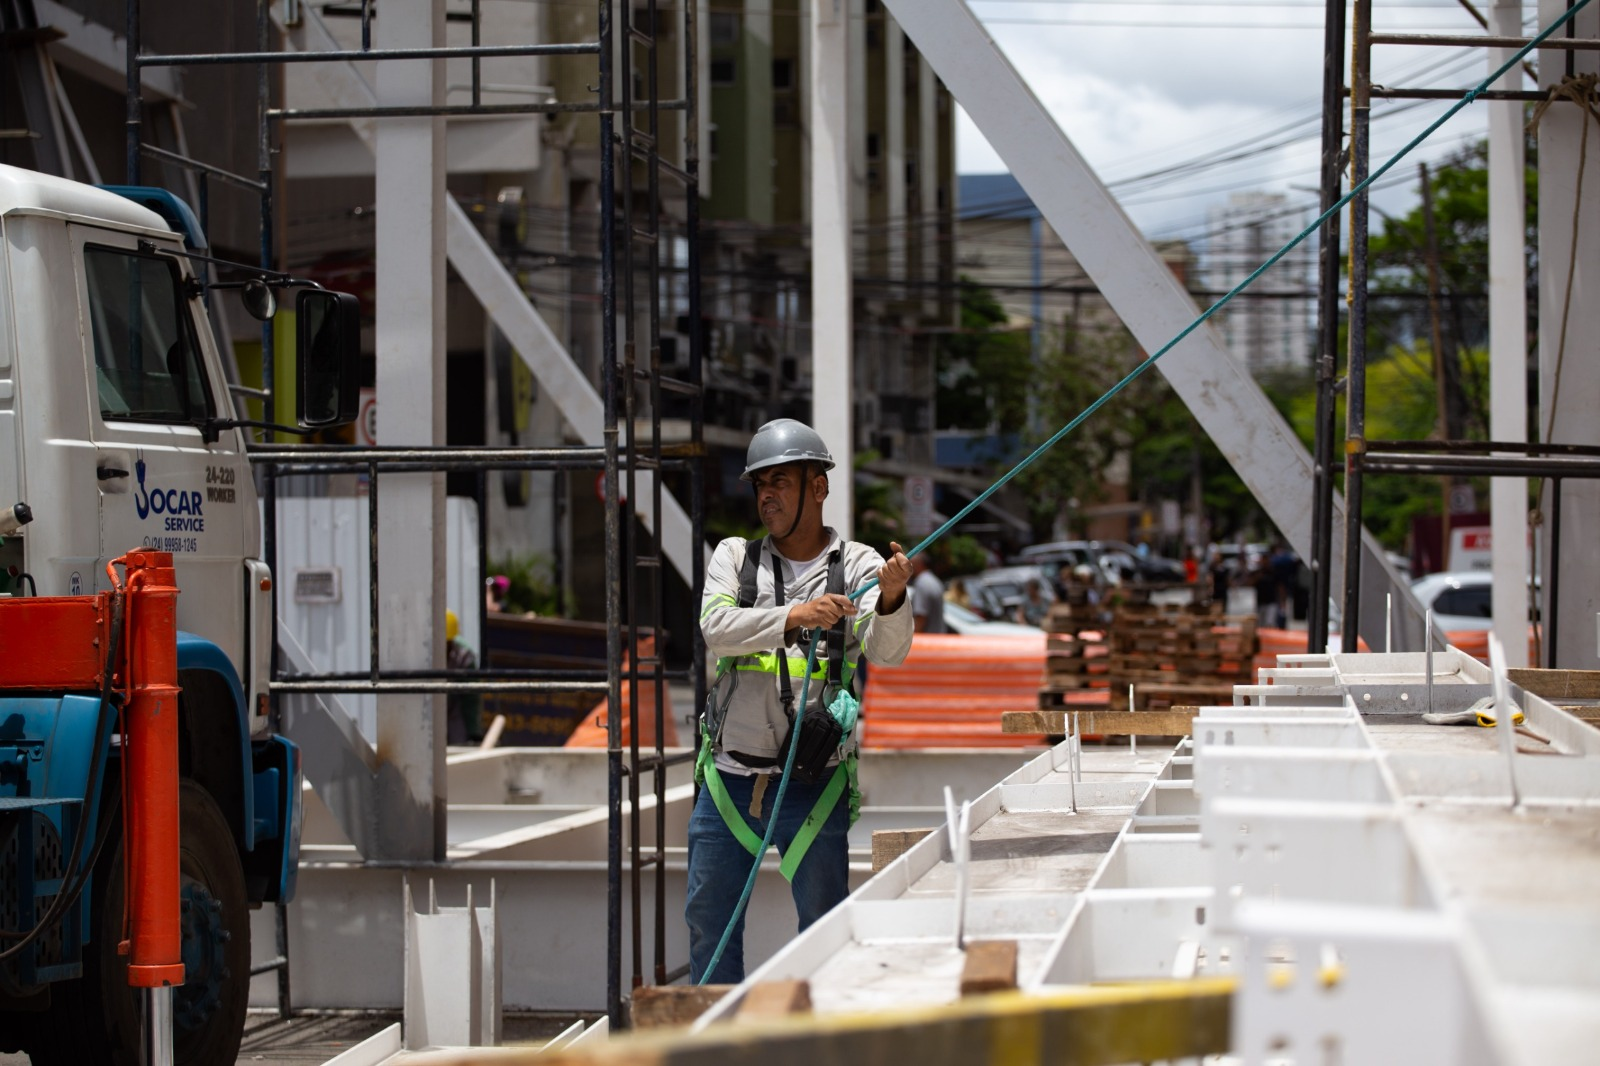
[770, 1000]
[990, 966]
[1176, 722]
[1558, 684]
[665, 1006]
[1142, 1021]
[889, 844]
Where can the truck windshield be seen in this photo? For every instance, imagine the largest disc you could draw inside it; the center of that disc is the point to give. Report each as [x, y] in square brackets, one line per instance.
[146, 361]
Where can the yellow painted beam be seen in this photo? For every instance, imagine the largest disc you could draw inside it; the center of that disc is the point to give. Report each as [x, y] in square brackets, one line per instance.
[1075, 1026]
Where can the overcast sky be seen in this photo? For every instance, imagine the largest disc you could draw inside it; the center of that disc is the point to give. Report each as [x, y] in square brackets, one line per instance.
[1142, 85]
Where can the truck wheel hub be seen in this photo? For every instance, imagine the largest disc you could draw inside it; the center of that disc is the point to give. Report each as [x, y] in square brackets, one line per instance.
[204, 969]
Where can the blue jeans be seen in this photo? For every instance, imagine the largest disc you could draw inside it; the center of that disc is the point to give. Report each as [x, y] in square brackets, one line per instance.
[719, 866]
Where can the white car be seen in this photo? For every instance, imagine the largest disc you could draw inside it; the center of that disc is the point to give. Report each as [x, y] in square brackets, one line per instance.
[965, 621]
[1460, 599]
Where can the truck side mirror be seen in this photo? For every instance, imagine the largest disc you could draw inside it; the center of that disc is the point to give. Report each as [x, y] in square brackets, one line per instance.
[328, 344]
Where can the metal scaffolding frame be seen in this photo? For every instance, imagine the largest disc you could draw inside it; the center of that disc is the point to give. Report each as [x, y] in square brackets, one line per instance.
[633, 387]
[1361, 456]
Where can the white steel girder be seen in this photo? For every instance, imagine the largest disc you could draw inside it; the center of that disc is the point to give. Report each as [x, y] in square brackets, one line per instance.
[1508, 341]
[832, 335]
[410, 819]
[1149, 299]
[1569, 366]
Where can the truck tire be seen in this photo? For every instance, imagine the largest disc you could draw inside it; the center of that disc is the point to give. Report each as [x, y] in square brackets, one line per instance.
[98, 1018]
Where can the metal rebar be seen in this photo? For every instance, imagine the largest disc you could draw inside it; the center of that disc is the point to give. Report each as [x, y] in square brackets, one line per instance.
[1480, 40]
[383, 686]
[1327, 328]
[272, 57]
[595, 675]
[1356, 375]
[1427, 646]
[613, 525]
[133, 103]
[549, 107]
[373, 650]
[280, 931]
[480, 604]
[269, 402]
[477, 455]
[202, 168]
[1480, 447]
[477, 54]
[1552, 466]
[1526, 95]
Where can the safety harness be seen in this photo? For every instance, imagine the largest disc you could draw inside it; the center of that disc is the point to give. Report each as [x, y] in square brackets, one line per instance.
[843, 775]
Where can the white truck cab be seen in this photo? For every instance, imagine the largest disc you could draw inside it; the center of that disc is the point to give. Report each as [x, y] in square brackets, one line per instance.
[116, 426]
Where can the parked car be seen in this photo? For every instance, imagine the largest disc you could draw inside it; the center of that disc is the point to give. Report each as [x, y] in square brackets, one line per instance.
[1460, 599]
[998, 593]
[965, 621]
[1116, 560]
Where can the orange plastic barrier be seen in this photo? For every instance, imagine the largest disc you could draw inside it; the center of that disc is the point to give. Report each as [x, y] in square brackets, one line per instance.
[951, 690]
[591, 732]
[1475, 642]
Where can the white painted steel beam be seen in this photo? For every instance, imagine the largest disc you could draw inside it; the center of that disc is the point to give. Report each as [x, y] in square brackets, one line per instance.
[832, 320]
[410, 359]
[1143, 291]
[1569, 374]
[1508, 339]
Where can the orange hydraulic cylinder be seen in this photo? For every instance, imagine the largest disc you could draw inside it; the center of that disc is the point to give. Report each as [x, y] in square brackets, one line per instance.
[150, 766]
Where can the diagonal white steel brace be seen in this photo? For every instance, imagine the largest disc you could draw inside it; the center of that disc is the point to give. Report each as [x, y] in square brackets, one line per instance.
[1144, 293]
[504, 302]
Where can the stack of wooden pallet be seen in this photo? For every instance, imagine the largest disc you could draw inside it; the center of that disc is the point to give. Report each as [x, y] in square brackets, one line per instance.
[1074, 653]
[1178, 656]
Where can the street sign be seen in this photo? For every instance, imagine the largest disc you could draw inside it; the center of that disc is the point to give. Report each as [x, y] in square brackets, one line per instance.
[919, 506]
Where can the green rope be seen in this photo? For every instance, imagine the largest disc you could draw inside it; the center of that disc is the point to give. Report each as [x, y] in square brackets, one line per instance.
[1033, 456]
[1237, 289]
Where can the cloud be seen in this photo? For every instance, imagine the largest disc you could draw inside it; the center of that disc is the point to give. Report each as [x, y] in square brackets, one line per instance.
[1136, 100]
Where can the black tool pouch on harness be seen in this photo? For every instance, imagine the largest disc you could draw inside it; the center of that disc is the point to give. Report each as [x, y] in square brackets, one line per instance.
[820, 735]
[820, 732]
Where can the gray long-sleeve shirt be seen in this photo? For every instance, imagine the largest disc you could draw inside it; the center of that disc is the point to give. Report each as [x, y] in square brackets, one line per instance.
[747, 640]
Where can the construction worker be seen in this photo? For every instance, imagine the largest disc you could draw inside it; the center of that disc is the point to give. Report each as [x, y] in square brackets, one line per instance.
[762, 604]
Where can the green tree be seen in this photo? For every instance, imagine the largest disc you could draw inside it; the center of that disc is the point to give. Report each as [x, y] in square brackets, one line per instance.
[1147, 422]
[984, 368]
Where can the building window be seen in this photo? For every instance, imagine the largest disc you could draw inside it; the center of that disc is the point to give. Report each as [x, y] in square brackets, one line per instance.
[874, 146]
[713, 143]
[783, 75]
[724, 72]
[724, 28]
